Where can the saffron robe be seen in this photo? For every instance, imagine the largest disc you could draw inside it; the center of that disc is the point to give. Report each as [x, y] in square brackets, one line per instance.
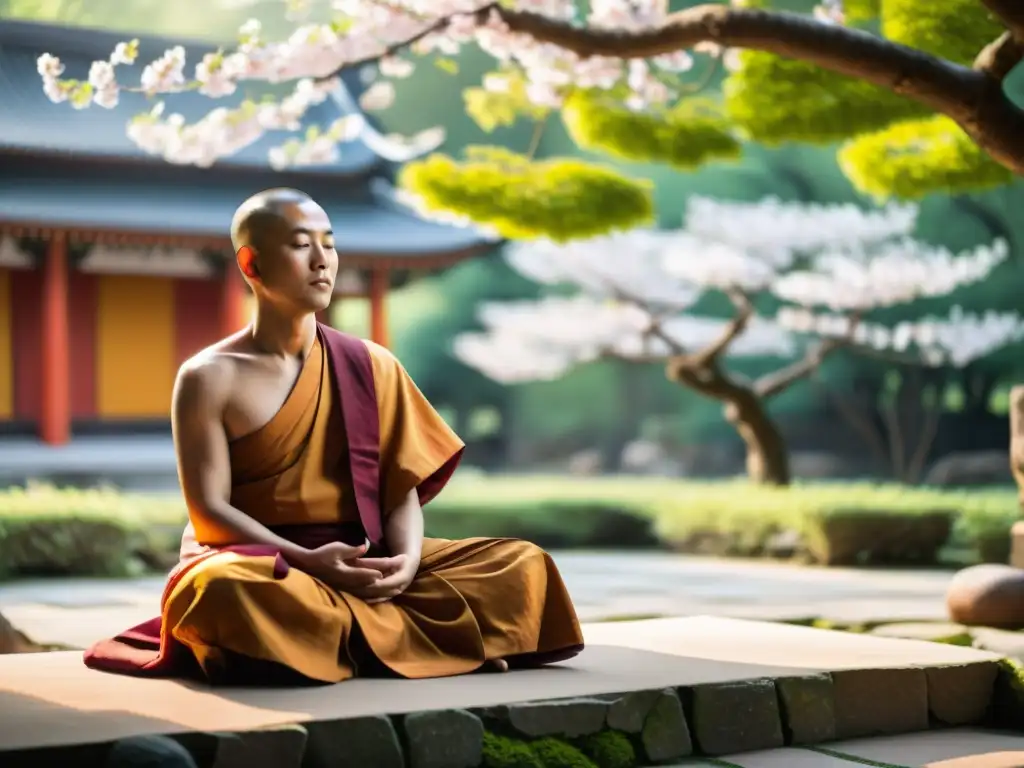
[353, 438]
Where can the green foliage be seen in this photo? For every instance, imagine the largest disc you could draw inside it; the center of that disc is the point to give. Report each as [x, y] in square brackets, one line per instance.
[561, 199]
[774, 100]
[555, 753]
[503, 752]
[915, 157]
[859, 11]
[609, 749]
[492, 109]
[684, 137]
[953, 29]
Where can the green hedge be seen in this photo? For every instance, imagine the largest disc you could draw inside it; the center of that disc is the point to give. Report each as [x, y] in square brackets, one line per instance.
[49, 531]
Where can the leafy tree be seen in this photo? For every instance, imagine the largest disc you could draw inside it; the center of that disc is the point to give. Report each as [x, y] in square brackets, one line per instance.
[917, 91]
[835, 268]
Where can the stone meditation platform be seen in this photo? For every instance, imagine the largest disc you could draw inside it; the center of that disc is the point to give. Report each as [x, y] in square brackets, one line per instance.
[683, 690]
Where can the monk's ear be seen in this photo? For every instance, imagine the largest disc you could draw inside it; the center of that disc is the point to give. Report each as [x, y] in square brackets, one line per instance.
[246, 258]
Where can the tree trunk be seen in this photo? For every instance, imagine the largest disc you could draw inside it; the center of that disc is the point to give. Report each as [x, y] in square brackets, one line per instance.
[767, 455]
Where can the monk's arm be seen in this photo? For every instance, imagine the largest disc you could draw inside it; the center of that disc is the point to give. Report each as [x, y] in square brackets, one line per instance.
[204, 465]
[403, 527]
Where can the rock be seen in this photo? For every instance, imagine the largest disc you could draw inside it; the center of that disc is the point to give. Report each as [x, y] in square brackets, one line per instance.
[784, 544]
[808, 708]
[567, 717]
[628, 713]
[960, 694]
[736, 717]
[665, 734]
[932, 631]
[279, 747]
[970, 468]
[818, 465]
[356, 743]
[999, 641]
[989, 595]
[447, 738]
[873, 702]
[149, 752]
[13, 641]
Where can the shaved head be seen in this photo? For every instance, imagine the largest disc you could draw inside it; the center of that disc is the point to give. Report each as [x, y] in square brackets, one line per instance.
[262, 218]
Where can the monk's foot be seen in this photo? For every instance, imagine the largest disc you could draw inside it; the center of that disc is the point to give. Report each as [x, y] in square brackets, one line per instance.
[496, 665]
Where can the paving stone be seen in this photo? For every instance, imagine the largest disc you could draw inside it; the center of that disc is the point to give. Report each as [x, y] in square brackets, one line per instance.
[873, 702]
[665, 734]
[359, 742]
[999, 641]
[447, 738]
[961, 694]
[736, 717]
[808, 708]
[628, 713]
[932, 631]
[281, 747]
[566, 717]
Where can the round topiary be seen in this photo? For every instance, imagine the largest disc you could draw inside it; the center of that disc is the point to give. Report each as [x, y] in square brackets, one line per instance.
[554, 753]
[502, 752]
[609, 749]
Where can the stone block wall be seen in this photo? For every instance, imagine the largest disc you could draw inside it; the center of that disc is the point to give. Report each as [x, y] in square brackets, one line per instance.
[637, 728]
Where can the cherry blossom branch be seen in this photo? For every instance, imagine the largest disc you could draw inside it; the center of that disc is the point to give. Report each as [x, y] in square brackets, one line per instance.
[963, 94]
[744, 312]
[774, 383]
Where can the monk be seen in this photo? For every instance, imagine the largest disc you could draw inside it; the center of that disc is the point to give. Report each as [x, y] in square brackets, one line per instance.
[305, 457]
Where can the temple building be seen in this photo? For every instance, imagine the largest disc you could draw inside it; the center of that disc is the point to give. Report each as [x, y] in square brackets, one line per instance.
[116, 266]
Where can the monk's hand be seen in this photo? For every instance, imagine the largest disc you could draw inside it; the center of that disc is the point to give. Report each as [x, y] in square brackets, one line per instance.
[398, 573]
[338, 566]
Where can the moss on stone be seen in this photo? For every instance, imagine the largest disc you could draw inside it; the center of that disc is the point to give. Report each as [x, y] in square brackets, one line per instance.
[503, 752]
[609, 749]
[555, 753]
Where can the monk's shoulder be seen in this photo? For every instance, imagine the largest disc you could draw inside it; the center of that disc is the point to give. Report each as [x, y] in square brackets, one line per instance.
[385, 365]
[208, 375]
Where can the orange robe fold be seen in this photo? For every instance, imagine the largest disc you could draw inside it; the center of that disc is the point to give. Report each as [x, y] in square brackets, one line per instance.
[353, 438]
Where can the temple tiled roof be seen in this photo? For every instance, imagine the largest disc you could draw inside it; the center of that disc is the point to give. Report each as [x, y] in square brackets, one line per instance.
[29, 121]
[153, 200]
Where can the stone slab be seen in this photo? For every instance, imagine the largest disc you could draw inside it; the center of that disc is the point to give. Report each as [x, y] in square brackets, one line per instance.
[955, 748]
[786, 758]
[53, 699]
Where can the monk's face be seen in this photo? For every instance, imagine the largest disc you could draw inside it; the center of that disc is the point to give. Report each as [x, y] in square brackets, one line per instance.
[298, 263]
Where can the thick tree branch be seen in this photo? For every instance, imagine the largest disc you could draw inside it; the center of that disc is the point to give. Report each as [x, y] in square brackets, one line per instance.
[744, 311]
[778, 381]
[1011, 13]
[972, 98]
[1000, 56]
[965, 95]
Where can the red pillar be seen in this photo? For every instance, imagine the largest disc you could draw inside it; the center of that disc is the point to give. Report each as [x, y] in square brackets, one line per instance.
[234, 312]
[55, 400]
[379, 284]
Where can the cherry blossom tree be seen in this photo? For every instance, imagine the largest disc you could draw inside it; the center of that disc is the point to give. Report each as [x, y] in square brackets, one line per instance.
[920, 105]
[832, 267]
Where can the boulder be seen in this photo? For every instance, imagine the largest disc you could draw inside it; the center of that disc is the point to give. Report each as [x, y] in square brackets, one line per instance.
[989, 595]
[970, 468]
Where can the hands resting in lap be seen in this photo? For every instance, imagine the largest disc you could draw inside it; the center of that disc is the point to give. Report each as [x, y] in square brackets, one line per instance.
[373, 579]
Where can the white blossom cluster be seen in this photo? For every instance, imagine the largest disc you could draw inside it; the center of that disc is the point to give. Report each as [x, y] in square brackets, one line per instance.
[831, 264]
[389, 34]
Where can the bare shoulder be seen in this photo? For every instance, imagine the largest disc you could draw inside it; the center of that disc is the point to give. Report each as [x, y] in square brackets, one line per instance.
[209, 376]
